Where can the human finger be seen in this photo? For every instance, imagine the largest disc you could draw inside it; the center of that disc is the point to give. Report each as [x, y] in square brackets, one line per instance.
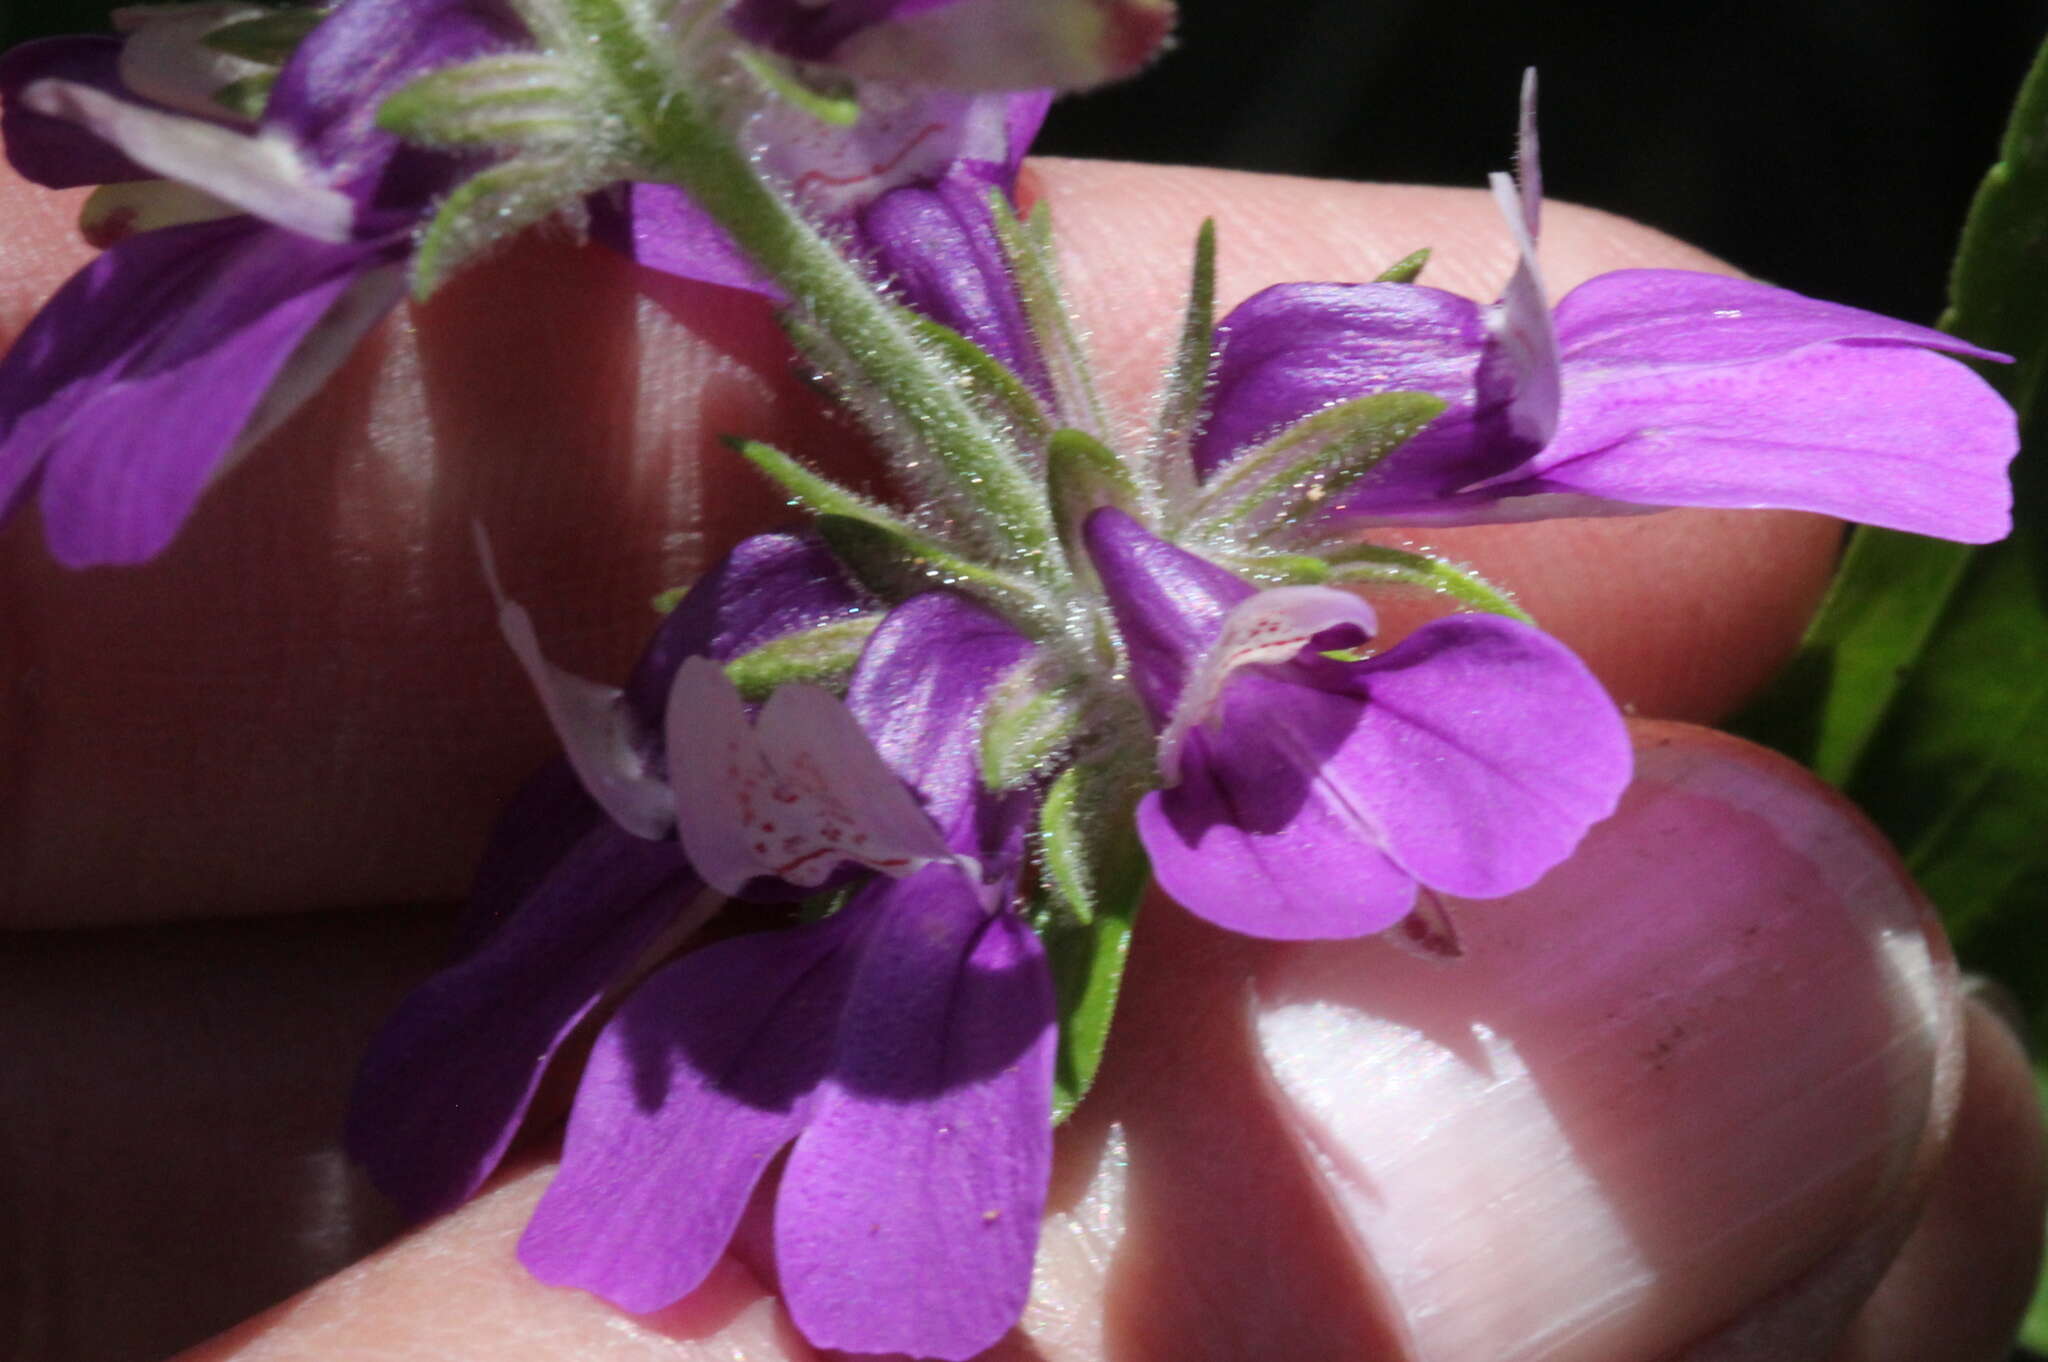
[1672, 1083]
[305, 702]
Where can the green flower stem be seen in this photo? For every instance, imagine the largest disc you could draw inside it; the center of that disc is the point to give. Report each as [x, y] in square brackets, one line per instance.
[680, 143]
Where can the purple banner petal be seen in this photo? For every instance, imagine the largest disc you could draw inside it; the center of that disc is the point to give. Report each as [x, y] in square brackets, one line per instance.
[706, 1073]
[449, 1076]
[908, 1214]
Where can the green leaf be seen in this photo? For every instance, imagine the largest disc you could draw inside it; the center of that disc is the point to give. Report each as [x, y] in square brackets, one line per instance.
[524, 100]
[986, 379]
[819, 656]
[813, 491]
[268, 39]
[1029, 725]
[1035, 269]
[1283, 480]
[488, 208]
[247, 97]
[1094, 874]
[898, 564]
[838, 110]
[1083, 475]
[1359, 564]
[1405, 270]
[892, 557]
[1922, 689]
[1169, 459]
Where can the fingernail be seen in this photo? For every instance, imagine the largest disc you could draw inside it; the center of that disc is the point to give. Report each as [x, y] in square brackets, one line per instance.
[1659, 1085]
[2002, 1003]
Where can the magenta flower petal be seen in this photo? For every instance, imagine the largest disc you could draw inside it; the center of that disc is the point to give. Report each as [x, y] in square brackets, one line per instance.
[448, 1077]
[1886, 435]
[203, 321]
[1645, 389]
[708, 1071]
[1308, 796]
[1510, 746]
[908, 1214]
[565, 903]
[1471, 758]
[662, 227]
[1253, 837]
[1631, 322]
[918, 141]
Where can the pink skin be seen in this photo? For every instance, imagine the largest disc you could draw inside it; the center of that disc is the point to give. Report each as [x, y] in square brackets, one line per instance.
[306, 704]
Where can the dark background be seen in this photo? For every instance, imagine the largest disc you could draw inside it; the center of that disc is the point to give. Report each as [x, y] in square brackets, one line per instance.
[1827, 145]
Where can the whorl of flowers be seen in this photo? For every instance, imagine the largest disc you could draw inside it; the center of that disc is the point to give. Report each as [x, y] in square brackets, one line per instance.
[922, 762]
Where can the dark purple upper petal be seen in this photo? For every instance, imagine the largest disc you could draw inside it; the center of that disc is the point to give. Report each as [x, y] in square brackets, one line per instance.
[144, 373]
[937, 249]
[1168, 603]
[920, 691]
[708, 1071]
[908, 1214]
[55, 152]
[1293, 349]
[449, 1076]
[770, 585]
[327, 95]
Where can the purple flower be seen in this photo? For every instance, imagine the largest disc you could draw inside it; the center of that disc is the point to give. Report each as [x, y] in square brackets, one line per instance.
[1644, 389]
[1305, 793]
[965, 44]
[569, 899]
[179, 348]
[906, 186]
[901, 1049]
